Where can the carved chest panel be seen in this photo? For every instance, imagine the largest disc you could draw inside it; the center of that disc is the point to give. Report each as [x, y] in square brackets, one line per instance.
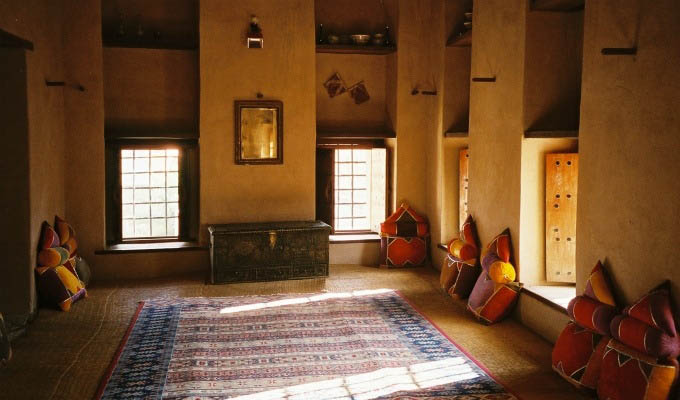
[268, 251]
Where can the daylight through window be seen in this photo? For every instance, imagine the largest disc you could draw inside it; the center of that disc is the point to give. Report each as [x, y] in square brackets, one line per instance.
[150, 193]
[360, 183]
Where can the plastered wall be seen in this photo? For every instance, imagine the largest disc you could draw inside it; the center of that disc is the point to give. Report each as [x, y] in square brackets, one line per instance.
[496, 118]
[341, 111]
[629, 191]
[38, 22]
[283, 70]
[419, 66]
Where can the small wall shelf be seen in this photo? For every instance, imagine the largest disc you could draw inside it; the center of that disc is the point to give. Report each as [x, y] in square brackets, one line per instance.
[550, 134]
[464, 40]
[159, 45]
[558, 5]
[354, 49]
[452, 134]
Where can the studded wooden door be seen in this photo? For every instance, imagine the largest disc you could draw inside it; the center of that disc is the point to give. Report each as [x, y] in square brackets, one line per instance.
[464, 157]
[561, 181]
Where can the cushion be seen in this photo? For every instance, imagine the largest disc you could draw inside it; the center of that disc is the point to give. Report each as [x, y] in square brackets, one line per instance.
[465, 247]
[5, 348]
[577, 355]
[405, 222]
[591, 314]
[599, 287]
[458, 277]
[627, 374]
[48, 237]
[495, 292]
[645, 338]
[83, 270]
[654, 309]
[52, 257]
[399, 251]
[66, 234]
[59, 286]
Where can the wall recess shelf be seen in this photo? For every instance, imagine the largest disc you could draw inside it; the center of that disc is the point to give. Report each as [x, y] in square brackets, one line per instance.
[159, 45]
[558, 5]
[551, 134]
[452, 134]
[464, 40]
[355, 133]
[352, 49]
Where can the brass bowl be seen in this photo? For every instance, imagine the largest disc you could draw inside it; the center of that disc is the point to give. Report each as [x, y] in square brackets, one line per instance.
[360, 39]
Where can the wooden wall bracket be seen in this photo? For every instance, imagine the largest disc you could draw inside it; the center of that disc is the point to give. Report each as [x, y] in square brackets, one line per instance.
[484, 79]
[619, 51]
[76, 86]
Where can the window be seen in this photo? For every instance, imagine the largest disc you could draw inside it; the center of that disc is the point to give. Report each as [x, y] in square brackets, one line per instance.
[152, 191]
[351, 188]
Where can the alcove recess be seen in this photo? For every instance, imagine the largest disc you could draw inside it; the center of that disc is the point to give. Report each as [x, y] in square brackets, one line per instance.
[455, 113]
[552, 95]
[456, 107]
[151, 74]
[339, 117]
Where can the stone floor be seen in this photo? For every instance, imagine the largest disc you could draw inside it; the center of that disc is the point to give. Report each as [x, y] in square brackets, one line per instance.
[65, 355]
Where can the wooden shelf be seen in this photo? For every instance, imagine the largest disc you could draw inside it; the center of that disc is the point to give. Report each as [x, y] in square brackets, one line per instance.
[354, 49]
[159, 45]
[550, 134]
[464, 40]
[355, 133]
[558, 5]
[451, 134]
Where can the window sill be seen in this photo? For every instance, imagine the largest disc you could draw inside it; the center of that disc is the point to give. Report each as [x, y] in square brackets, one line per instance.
[150, 247]
[555, 296]
[358, 238]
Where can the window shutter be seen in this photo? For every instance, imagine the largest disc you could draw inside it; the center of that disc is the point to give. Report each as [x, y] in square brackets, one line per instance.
[324, 185]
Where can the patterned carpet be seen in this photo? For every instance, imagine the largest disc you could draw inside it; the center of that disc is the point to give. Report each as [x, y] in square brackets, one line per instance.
[368, 344]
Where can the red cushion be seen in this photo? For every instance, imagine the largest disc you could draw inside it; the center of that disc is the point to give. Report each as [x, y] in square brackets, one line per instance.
[465, 278]
[627, 374]
[405, 222]
[577, 355]
[48, 237]
[591, 314]
[645, 338]
[403, 251]
[654, 309]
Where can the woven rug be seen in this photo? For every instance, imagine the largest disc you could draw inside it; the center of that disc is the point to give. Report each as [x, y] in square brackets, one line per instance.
[360, 345]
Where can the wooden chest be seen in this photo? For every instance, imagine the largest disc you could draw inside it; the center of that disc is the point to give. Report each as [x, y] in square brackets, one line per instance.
[268, 251]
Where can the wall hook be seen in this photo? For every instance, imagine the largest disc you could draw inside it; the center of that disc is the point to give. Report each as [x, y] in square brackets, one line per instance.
[259, 95]
[76, 86]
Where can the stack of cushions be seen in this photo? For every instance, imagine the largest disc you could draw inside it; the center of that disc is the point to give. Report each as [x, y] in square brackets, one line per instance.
[628, 355]
[5, 348]
[577, 354]
[640, 360]
[460, 270]
[57, 279]
[495, 292]
[404, 238]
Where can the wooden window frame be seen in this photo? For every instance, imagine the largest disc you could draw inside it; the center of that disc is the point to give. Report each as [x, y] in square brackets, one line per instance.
[340, 144]
[188, 182]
